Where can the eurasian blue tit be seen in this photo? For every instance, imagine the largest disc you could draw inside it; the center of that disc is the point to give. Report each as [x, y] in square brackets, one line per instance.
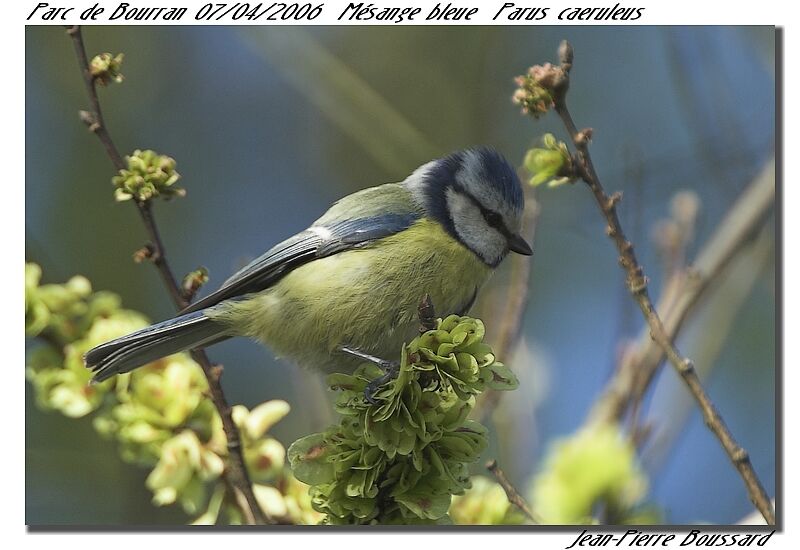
[354, 279]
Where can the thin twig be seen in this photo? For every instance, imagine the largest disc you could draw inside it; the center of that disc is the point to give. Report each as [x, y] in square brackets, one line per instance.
[516, 301]
[235, 475]
[518, 286]
[713, 328]
[637, 285]
[511, 492]
[684, 291]
[753, 518]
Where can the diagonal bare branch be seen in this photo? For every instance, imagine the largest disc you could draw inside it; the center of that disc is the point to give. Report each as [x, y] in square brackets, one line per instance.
[637, 282]
[236, 475]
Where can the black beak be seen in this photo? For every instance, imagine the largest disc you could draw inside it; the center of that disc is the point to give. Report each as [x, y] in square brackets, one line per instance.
[517, 244]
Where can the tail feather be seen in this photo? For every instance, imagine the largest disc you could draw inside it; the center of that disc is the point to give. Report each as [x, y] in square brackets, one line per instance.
[124, 354]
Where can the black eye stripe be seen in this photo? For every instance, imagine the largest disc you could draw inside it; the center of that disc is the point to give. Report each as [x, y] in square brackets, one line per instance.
[492, 218]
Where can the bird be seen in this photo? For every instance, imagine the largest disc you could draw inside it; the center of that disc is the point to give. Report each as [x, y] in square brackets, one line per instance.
[348, 288]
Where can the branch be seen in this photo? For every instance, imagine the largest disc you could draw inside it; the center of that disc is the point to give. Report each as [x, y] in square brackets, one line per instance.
[684, 290]
[518, 287]
[236, 475]
[637, 285]
[511, 492]
[515, 303]
[753, 518]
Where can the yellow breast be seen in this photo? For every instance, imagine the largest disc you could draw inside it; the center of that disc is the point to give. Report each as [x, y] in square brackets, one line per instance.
[365, 298]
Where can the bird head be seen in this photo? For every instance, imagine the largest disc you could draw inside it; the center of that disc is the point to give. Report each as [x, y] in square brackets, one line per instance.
[476, 195]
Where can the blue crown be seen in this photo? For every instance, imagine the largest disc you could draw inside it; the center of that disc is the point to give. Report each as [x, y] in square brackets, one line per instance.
[495, 171]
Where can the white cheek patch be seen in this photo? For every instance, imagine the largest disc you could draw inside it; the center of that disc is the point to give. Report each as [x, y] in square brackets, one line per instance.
[471, 227]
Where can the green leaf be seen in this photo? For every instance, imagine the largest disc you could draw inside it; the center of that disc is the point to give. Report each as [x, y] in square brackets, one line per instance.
[307, 458]
[499, 377]
[424, 505]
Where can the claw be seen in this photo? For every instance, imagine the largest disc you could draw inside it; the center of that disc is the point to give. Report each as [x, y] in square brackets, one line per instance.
[390, 373]
[390, 369]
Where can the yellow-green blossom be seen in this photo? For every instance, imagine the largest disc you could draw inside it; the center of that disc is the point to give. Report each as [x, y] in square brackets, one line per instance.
[181, 470]
[594, 467]
[105, 68]
[148, 175]
[400, 460]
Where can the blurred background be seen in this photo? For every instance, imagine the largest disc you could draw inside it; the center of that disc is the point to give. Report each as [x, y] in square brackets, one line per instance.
[270, 125]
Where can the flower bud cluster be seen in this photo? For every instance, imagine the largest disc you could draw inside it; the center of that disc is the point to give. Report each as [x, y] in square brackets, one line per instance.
[147, 176]
[159, 415]
[401, 459]
[594, 469]
[537, 89]
[105, 68]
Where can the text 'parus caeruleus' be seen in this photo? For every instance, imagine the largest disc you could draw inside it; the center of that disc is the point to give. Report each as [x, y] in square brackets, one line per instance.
[354, 279]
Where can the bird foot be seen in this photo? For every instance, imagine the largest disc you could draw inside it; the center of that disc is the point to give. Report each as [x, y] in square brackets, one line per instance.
[390, 371]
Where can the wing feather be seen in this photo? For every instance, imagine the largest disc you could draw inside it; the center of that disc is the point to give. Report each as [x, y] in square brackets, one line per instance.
[315, 242]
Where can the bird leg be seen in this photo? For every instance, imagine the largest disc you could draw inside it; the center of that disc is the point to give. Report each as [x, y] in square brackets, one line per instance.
[390, 371]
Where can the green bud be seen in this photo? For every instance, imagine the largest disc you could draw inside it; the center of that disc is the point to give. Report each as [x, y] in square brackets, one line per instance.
[194, 280]
[105, 68]
[33, 274]
[263, 417]
[175, 468]
[239, 413]
[536, 90]
[297, 499]
[210, 516]
[65, 311]
[182, 467]
[265, 459]
[72, 395]
[60, 380]
[37, 315]
[551, 163]
[148, 175]
[270, 500]
[534, 100]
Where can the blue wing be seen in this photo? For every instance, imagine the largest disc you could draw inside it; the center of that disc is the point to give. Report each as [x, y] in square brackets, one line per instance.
[316, 242]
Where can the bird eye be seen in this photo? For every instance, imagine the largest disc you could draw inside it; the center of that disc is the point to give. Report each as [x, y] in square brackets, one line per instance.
[494, 219]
